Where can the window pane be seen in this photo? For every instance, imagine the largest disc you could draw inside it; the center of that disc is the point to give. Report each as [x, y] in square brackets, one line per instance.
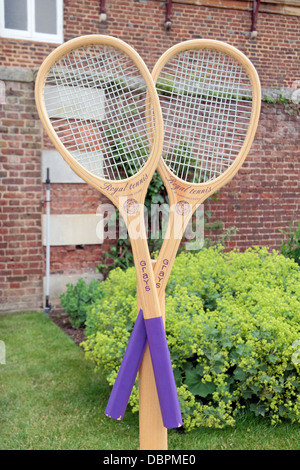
[45, 16]
[15, 14]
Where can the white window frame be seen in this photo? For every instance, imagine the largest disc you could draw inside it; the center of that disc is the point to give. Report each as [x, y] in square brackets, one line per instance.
[30, 34]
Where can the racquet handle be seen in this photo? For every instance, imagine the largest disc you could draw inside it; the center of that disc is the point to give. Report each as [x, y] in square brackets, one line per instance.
[153, 330]
[132, 359]
[163, 373]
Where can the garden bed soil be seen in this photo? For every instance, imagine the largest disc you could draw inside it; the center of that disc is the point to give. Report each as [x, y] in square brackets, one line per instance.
[61, 319]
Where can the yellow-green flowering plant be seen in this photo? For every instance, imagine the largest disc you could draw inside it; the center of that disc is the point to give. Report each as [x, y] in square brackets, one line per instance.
[232, 322]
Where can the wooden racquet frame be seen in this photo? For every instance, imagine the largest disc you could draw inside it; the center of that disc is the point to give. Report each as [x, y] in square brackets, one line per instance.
[153, 436]
[188, 191]
[120, 192]
[193, 195]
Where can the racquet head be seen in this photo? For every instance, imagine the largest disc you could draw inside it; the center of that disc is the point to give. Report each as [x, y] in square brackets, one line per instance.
[94, 96]
[210, 99]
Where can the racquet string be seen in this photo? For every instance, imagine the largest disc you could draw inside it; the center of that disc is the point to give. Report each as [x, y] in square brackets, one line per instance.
[96, 99]
[206, 102]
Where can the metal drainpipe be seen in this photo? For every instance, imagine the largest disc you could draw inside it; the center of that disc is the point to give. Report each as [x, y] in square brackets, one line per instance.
[168, 22]
[103, 16]
[48, 201]
[256, 5]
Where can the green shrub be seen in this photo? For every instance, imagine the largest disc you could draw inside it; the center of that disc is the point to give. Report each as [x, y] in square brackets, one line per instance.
[291, 246]
[77, 299]
[232, 322]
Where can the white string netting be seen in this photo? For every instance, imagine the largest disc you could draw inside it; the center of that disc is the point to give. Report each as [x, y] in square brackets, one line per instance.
[206, 101]
[96, 99]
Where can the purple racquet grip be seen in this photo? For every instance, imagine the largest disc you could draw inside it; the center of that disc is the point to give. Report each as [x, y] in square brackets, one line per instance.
[163, 373]
[132, 359]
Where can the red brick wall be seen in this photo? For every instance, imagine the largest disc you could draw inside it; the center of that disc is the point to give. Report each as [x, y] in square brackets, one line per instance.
[21, 256]
[75, 199]
[275, 52]
[265, 194]
[261, 199]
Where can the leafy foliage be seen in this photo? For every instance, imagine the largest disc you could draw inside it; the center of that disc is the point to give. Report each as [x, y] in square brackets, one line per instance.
[77, 299]
[231, 322]
[291, 247]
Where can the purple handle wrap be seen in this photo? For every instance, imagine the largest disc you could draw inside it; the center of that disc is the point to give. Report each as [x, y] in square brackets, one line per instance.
[163, 373]
[132, 359]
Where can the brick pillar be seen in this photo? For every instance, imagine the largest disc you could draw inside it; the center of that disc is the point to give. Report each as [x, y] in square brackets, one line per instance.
[21, 257]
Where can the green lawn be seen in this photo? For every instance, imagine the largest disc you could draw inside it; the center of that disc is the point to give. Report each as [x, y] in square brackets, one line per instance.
[50, 398]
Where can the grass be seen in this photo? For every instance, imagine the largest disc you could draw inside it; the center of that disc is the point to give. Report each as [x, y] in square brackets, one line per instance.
[51, 398]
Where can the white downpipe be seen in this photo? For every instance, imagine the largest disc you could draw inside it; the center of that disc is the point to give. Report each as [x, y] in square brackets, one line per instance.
[47, 304]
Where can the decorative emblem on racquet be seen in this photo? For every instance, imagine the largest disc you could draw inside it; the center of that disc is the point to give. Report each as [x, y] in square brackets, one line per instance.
[99, 106]
[210, 98]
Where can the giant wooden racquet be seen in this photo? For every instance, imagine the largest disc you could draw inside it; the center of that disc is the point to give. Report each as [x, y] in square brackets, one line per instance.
[98, 103]
[210, 99]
